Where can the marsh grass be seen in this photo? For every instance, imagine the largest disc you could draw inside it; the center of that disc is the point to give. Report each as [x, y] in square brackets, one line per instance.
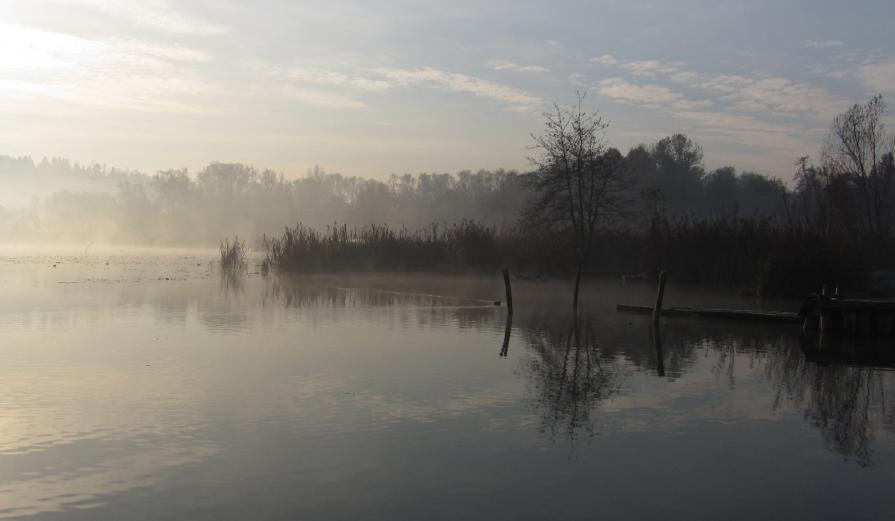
[750, 256]
[233, 255]
[465, 246]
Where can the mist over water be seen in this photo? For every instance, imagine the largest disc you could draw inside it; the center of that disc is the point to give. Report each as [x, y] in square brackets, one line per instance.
[151, 386]
[458, 260]
[57, 201]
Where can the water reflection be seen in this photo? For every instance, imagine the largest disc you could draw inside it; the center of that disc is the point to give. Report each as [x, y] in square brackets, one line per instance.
[575, 369]
[571, 375]
[575, 365]
[847, 401]
[225, 394]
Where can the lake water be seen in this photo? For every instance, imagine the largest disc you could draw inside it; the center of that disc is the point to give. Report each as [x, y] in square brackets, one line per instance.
[146, 385]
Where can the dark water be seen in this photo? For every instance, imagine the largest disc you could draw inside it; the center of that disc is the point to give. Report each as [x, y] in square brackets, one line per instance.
[129, 396]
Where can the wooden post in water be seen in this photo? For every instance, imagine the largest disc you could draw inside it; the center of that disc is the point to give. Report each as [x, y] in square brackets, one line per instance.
[506, 336]
[506, 283]
[657, 310]
[660, 358]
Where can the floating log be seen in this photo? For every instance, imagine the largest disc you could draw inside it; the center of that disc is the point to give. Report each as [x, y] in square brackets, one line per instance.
[736, 314]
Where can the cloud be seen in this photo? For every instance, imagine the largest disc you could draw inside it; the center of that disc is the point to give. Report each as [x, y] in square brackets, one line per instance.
[777, 95]
[765, 94]
[321, 98]
[516, 99]
[723, 83]
[651, 67]
[164, 52]
[742, 129]
[878, 77]
[504, 65]
[385, 79]
[686, 78]
[620, 89]
[605, 59]
[822, 44]
[157, 14]
[122, 74]
[685, 104]
[337, 79]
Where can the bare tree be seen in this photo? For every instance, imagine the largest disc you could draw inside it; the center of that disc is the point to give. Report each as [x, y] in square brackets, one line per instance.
[856, 147]
[578, 182]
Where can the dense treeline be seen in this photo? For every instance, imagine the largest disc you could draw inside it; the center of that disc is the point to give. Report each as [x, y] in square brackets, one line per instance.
[174, 207]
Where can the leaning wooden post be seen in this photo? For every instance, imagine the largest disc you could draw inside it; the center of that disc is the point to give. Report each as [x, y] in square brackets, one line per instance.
[506, 283]
[657, 310]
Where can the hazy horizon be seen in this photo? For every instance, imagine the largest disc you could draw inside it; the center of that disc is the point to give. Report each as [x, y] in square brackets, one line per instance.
[398, 88]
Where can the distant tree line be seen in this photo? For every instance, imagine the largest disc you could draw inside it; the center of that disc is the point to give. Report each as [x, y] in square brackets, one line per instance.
[664, 210]
[176, 207]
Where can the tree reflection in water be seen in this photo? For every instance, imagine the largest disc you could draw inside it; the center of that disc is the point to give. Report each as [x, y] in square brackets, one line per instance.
[572, 376]
[573, 366]
[849, 403]
[577, 367]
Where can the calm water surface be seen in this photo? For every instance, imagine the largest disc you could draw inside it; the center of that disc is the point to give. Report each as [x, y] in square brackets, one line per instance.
[145, 385]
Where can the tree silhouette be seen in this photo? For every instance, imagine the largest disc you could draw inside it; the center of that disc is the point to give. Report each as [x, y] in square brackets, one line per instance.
[578, 182]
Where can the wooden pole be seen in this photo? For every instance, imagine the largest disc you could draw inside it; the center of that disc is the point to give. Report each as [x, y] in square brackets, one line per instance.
[660, 358]
[657, 310]
[506, 283]
[506, 336]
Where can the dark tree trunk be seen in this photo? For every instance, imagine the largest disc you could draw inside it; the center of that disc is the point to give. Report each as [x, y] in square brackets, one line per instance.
[577, 287]
[582, 262]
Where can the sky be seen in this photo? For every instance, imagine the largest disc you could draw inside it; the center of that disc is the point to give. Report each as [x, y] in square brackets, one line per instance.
[373, 88]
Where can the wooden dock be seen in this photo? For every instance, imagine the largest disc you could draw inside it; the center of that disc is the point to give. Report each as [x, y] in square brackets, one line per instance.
[732, 314]
[862, 317]
[850, 317]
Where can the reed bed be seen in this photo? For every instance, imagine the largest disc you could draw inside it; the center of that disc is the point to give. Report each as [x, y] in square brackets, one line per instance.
[749, 256]
[233, 255]
[465, 246]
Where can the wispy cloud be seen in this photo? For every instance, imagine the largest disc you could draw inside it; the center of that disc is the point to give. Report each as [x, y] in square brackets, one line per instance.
[123, 74]
[322, 98]
[337, 79]
[605, 59]
[755, 93]
[504, 65]
[651, 67]
[514, 98]
[157, 14]
[164, 52]
[621, 89]
[878, 77]
[345, 86]
[822, 44]
[742, 129]
[744, 109]
[783, 95]
[685, 104]
[686, 77]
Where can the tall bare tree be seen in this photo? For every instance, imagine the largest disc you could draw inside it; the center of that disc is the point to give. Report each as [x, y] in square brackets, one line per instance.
[857, 147]
[578, 182]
